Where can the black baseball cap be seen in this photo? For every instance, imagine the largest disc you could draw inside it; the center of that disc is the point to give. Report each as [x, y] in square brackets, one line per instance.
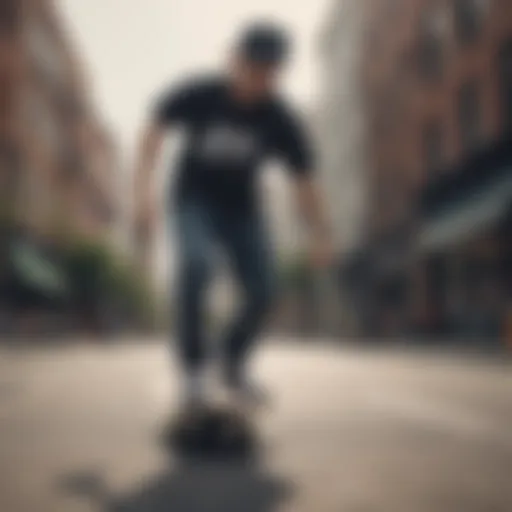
[264, 43]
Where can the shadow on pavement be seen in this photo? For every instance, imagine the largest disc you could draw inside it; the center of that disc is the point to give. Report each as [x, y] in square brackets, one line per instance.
[188, 487]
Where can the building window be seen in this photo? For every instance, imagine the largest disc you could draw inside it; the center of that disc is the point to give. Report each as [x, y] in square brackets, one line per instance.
[394, 8]
[10, 17]
[45, 53]
[392, 196]
[41, 121]
[469, 19]
[10, 164]
[469, 116]
[432, 35]
[505, 77]
[433, 147]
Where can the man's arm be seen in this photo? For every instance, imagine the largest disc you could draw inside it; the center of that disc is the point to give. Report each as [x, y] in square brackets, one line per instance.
[176, 106]
[311, 206]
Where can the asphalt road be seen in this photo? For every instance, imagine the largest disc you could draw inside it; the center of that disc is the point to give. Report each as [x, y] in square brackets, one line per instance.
[349, 431]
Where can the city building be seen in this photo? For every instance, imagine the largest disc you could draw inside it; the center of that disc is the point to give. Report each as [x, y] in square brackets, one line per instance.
[340, 128]
[58, 159]
[340, 123]
[10, 76]
[437, 79]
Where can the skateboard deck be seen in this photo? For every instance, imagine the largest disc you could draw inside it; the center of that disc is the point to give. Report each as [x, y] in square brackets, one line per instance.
[217, 431]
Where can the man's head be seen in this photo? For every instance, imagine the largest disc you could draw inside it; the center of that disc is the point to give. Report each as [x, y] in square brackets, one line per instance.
[260, 54]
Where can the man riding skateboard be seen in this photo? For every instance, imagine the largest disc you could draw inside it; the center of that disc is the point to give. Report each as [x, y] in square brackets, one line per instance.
[233, 123]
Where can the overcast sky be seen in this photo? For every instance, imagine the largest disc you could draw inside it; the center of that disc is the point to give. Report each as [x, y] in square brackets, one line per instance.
[134, 47]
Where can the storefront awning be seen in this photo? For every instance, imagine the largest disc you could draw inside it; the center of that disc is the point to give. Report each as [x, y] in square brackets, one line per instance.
[36, 271]
[467, 217]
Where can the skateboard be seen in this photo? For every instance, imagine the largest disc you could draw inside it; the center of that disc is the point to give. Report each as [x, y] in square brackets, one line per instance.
[220, 431]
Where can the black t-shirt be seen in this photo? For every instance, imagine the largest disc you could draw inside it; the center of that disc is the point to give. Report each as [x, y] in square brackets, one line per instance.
[228, 142]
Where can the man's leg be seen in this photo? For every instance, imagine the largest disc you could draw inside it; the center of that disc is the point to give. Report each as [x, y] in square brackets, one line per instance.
[250, 255]
[195, 250]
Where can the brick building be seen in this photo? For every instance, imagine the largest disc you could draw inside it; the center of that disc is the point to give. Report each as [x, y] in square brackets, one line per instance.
[437, 79]
[10, 76]
[57, 158]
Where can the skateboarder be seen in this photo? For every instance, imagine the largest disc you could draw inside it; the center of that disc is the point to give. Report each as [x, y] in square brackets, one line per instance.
[233, 122]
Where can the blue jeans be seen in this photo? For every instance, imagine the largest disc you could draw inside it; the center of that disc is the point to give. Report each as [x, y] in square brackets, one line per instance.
[200, 230]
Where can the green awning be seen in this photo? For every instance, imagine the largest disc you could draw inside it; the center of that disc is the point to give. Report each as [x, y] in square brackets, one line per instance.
[36, 271]
[467, 218]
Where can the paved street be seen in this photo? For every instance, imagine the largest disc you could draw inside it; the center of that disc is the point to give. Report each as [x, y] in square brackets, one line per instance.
[350, 431]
